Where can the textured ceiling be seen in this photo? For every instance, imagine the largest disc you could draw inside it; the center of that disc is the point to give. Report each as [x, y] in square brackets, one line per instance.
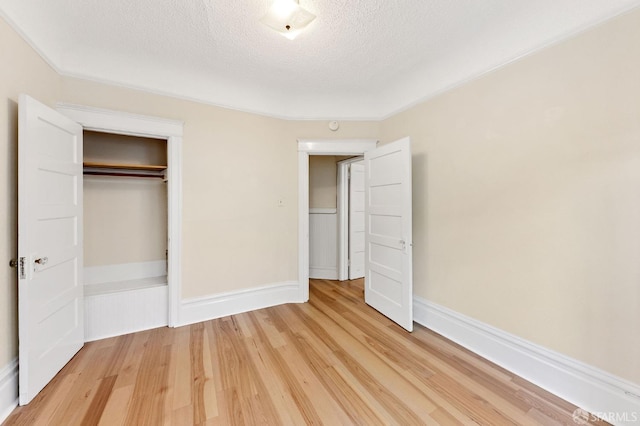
[360, 59]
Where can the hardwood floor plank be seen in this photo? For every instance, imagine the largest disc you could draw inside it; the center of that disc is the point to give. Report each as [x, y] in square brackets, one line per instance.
[276, 371]
[151, 382]
[198, 377]
[182, 416]
[241, 378]
[332, 361]
[129, 370]
[357, 409]
[99, 402]
[209, 391]
[72, 410]
[371, 371]
[117, 407]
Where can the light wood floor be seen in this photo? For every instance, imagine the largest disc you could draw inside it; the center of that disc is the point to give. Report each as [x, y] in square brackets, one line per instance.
[331, 361]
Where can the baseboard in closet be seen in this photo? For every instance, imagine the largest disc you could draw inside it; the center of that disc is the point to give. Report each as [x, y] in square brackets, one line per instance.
[124, 298]
[114, 314]
[323, 244]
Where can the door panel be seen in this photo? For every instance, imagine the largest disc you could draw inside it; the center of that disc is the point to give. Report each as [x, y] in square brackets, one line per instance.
[356, 220]
[50, 292]
[388, 232]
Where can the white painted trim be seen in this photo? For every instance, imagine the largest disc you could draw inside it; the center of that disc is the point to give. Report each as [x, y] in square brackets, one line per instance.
[583, 385]
[336, 146]
[317, 210]
[8, 389]
[343, 220]
[100, 119]
[224, 304]
[351, 160]
[104, 120]
[123, 312]
[303, 226]
[320, 273]
[124, 272]
[343, 216]
[174, 199]
[308, 147]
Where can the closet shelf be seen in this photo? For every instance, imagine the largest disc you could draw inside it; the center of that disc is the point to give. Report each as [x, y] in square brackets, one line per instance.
[117, 169]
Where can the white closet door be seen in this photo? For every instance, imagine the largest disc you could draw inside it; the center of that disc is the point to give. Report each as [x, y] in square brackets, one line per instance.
[388, 232]
[50, 292]
[356, 220]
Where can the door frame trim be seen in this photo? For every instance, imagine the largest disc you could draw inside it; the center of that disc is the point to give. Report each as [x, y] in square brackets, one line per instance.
[308, 147]
[109, 121]
[343, 216]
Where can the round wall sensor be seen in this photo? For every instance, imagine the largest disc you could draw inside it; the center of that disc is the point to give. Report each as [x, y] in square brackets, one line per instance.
[334, 125]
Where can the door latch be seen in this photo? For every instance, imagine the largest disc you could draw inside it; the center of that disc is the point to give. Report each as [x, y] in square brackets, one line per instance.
[20, 265]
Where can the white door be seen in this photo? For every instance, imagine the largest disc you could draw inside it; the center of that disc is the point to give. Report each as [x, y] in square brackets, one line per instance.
[388, 234]
[356, 220]
[50, 294]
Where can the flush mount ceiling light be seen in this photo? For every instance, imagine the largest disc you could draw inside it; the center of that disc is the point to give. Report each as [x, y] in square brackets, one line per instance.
[287, 18]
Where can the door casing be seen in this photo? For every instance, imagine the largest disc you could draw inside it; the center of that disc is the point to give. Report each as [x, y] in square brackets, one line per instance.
[108, 121]
[308, 147]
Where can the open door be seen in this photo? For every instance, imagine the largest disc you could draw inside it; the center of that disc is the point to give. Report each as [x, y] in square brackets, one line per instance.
[50, 292]
[356, 220]
[388, 232]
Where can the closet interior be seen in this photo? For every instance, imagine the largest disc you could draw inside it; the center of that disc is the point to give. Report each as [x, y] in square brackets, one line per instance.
[125, 234]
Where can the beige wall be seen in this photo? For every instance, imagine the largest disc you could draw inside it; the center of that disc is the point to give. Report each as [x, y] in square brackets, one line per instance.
[323, 181]
[123, 149]
[527, 197]
[22, 71]
[125, 220]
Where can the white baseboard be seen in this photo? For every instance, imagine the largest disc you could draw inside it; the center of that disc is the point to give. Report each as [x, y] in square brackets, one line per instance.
[605, 395]
[320, 273]
[318, 210]
[8, 389]
[124, 272]
[225, 304]
[114, 314]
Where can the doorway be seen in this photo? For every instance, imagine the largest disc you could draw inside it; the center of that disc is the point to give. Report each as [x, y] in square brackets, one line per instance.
[124, 234]
[388, 224]
[327, 207]
[115, 122]
[307, 147]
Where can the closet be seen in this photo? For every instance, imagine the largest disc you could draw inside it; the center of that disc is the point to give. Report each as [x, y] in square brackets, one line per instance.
[125, 234]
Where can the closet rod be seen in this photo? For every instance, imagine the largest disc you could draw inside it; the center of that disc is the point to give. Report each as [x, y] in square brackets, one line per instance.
[124, 174]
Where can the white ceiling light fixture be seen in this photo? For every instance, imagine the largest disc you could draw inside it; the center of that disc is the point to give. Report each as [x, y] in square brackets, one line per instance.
[288, 18]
